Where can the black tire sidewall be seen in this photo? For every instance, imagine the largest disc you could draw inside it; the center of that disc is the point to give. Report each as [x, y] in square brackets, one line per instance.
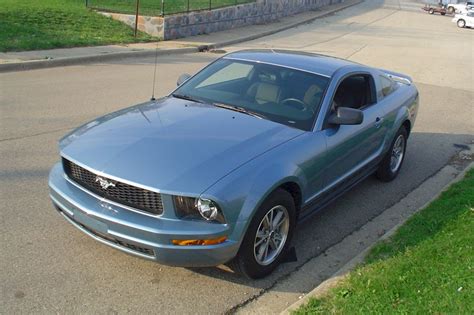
[246, 259]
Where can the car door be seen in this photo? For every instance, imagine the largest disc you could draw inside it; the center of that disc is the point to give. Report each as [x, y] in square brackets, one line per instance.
[354, 149]
[470, 19]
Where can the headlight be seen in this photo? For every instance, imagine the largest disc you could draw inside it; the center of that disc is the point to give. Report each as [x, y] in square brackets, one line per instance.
[208, 209]
[197, 208]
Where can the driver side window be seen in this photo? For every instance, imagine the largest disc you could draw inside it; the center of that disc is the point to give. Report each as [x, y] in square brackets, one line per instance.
[355, 92]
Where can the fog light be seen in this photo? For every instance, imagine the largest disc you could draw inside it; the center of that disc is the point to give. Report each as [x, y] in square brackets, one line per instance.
[213, 241]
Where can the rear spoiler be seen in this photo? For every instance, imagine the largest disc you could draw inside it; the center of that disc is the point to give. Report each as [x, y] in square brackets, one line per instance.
[398, 77]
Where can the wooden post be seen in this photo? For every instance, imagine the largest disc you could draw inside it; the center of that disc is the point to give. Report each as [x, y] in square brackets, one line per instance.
[136, 17]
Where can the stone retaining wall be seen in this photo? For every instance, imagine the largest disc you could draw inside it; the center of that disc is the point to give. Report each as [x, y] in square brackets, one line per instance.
[205, 22]
[153, 25]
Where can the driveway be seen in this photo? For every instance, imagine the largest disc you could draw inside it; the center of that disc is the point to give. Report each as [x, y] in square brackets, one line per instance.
[47, 266]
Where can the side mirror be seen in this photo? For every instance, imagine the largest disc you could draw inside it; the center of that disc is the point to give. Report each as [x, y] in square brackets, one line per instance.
[346, 116]
[183, 78]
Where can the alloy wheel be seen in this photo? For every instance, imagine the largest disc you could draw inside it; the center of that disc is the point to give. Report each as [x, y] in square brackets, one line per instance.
[271, 236]
[398, 151]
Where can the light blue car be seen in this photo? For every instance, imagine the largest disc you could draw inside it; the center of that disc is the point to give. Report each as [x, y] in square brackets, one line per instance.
[221, 170]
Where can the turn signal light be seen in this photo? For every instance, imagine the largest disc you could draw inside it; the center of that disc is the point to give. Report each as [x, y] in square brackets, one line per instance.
[213, 241]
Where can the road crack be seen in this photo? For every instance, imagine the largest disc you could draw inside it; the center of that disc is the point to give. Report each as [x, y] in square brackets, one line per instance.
[35, 134]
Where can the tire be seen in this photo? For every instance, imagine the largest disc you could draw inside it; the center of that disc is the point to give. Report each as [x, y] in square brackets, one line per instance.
[246, 261]
[461, 23]
[451, 10]
[431, 11]
[393, 160]
[443, 13]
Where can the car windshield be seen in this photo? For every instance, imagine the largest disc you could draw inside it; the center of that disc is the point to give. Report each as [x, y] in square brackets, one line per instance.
[283, 95]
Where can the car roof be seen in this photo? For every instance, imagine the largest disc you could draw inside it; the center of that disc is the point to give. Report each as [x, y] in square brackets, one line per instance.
[310, 62]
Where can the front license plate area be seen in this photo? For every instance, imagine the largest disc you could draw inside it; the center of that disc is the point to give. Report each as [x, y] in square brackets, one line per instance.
[90, 223]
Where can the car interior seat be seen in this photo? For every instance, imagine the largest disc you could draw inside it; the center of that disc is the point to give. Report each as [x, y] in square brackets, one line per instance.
[263, 92]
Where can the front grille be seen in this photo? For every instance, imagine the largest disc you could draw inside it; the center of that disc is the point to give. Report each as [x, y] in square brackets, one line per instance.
[122, 193]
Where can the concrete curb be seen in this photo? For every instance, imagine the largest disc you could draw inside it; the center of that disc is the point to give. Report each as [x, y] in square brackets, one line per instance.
[322, 289]
[69, 61]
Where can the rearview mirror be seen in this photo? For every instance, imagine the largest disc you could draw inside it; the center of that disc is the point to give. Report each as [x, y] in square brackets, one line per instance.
[183, 78]
[346, 116]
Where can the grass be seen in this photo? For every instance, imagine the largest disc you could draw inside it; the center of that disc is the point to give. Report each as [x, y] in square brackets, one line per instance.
[45, 24]
[155, 8]
[427, 267]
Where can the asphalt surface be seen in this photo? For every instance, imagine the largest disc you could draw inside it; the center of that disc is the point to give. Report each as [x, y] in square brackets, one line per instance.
[46, 266]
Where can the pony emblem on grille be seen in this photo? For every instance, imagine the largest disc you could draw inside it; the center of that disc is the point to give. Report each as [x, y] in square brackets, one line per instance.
[104, 183]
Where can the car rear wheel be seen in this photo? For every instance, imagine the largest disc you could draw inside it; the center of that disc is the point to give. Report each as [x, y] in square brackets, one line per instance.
[451, 10]
[461, 23]
[393, 160]
[268, 236]
[431, 11]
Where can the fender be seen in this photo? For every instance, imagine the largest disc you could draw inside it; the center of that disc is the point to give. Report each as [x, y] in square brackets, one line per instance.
[242, 192]
[246, 190]
[407, 111]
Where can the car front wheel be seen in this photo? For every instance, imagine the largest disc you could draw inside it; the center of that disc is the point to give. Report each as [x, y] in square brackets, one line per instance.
[393, 160]
[461, 23]
[451, 10]
[268, 236]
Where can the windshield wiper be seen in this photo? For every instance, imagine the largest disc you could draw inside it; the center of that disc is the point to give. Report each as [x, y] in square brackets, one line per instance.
[239, 110]
[186, 97]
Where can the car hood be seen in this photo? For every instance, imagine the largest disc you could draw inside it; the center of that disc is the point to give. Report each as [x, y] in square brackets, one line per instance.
[172, 145]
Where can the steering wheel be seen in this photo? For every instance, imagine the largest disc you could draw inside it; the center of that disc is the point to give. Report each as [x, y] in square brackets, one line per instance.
[291, 102]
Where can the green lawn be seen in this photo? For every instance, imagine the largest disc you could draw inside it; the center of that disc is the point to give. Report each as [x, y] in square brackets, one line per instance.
[427, 267]
[44, 24]
[154, 7]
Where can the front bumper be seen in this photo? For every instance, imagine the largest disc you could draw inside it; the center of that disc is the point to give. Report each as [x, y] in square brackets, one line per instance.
[136, 233]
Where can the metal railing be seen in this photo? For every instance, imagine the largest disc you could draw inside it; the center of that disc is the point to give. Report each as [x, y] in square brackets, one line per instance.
[159, 7]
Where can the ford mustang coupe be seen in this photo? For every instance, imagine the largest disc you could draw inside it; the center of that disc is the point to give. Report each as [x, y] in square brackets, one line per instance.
[221, 170]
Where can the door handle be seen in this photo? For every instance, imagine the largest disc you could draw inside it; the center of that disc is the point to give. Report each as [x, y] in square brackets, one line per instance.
[378, 122]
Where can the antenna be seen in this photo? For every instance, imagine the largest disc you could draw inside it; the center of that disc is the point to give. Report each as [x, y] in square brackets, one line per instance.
[154, 73]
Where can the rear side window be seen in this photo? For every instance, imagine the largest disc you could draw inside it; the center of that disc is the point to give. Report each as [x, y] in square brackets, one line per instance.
[388, 85]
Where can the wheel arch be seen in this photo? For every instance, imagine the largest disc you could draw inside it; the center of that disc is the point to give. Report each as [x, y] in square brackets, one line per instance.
[295, 191]
[407, 125]
[288, 184]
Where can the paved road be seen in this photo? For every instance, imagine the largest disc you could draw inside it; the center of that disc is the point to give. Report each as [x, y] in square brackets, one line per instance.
[47, 266]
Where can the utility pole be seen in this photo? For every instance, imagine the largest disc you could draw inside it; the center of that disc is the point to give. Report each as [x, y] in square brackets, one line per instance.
[136, 18]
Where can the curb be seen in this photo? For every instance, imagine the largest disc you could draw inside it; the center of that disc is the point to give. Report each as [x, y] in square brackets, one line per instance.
[69, 61]
[336, 278]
